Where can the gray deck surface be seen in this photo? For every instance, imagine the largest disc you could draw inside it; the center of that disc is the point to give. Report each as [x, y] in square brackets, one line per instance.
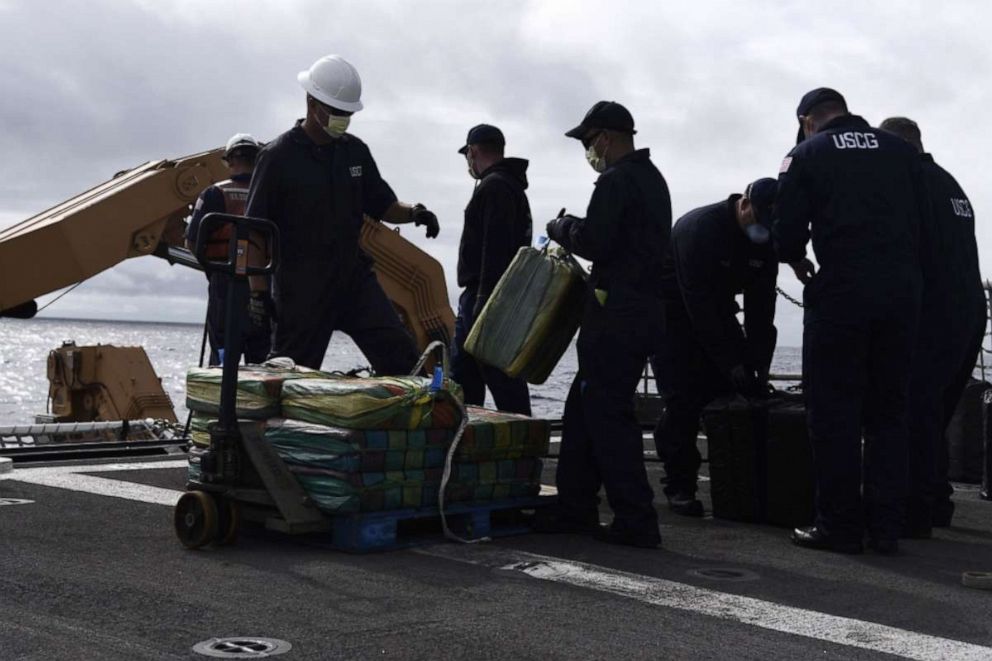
[86, 576]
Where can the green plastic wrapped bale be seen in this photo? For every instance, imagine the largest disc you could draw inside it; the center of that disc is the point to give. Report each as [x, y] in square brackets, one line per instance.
[259, 388]
[199, 432]
[336, 491]
[531, 316]
[489, 436]
[386, 402]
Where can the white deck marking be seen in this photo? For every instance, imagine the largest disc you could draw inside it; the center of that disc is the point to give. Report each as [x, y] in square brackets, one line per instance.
[74, 478]
[746, 610]
[654, 591]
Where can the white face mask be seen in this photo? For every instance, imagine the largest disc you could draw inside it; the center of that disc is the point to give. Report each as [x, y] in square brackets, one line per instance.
[597, 162]
[757, 233]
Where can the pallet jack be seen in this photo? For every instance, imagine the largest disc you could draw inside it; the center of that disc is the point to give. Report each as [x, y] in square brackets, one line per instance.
[241, 476]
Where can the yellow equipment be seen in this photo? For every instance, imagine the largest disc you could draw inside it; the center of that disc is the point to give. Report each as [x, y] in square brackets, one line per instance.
[103, 383]
[127, 216]
[141, 212]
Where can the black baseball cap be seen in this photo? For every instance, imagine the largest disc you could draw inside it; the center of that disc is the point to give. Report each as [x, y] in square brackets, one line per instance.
[608, 115]
[483, 133]
[762, 193]
[812, 99]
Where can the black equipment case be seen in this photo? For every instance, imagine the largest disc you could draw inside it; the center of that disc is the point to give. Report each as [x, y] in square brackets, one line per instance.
[760, 460]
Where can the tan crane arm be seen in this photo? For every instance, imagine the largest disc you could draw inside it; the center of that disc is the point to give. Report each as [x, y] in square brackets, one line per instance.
[141, 212]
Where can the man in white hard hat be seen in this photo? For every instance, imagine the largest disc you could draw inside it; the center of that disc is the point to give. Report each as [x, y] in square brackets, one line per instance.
[230, 197]
[316, 182]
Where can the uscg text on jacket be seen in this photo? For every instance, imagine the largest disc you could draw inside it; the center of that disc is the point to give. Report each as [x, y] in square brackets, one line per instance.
[855, 140]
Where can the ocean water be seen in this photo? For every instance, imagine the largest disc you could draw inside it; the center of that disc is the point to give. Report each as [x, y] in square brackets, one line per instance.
[173, 348]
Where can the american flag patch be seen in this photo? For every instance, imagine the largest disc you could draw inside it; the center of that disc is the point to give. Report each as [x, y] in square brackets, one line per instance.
[786, 162]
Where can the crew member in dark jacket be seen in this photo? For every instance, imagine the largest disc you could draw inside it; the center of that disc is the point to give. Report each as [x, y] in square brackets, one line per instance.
[859, 192]
[624, 234]
[315, 182]
[716, 252]
[497, 225]
[950, 337]
[229, 197]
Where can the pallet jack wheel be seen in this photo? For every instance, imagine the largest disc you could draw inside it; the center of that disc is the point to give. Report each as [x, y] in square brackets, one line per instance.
[229, 521]
[195, 519]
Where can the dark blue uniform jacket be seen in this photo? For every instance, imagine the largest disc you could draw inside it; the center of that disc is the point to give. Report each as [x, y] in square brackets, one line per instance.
[625, 234]
[497, 224]
[317, 195]
[712, 261]
[859, 194]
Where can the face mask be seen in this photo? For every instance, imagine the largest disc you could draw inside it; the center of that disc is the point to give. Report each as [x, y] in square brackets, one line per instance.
[757, 233]
[336, 125]
[597, 162]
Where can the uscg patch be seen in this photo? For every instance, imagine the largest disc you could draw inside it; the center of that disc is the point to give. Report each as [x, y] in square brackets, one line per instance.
[356, 170]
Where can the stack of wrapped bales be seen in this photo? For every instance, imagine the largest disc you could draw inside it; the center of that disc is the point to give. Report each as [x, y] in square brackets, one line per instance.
[364, 445]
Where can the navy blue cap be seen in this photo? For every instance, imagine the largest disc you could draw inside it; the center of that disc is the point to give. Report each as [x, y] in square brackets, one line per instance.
[483, 133]
[608, 115]
[812, 99]
[762, 193]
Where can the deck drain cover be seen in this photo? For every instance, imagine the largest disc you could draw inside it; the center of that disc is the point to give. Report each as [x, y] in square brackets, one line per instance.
[15, 501]
[724, 574]
[242, 647]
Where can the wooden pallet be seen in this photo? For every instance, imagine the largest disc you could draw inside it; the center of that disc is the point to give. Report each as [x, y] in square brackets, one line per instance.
[396, 529]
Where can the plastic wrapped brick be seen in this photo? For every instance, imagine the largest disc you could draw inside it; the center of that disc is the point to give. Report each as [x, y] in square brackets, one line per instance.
[336, 491]
[531, 316]
[199, 432]
[258, 393]
[387, 402]
[489, 436]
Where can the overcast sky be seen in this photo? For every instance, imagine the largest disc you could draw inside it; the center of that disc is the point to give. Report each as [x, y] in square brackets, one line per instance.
[90, 88]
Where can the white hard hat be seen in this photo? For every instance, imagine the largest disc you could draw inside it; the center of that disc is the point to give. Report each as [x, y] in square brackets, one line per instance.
[240, 141]
[334, 82]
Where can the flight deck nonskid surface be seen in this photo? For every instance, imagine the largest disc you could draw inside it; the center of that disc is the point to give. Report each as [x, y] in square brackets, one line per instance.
[92, 569]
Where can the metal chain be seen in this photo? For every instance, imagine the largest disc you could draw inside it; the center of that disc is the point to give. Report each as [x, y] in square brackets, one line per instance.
[797, 303]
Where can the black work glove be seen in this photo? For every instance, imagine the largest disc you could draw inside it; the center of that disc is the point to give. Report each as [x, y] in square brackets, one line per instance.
[260, 309]
[557, 228]
[743, 380]
[421, 216]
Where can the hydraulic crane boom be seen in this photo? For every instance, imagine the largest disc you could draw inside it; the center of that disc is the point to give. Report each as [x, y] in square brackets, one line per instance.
[141, 212]
[125, 217]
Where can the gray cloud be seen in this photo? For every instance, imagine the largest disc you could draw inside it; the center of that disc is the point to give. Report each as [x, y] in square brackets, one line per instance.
[91, 88]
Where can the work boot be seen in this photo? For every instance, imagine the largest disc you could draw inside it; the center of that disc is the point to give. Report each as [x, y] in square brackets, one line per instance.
[813, 537]
[685, 504]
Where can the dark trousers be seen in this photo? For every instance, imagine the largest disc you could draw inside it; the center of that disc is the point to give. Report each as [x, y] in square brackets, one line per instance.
[256, 340]
[310, 306]
[510, 394]
[944, 360]
[601, 442]
[856, 378]
[687, 381]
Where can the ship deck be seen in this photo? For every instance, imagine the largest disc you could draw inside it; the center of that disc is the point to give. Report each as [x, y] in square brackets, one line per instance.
[92, 569]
